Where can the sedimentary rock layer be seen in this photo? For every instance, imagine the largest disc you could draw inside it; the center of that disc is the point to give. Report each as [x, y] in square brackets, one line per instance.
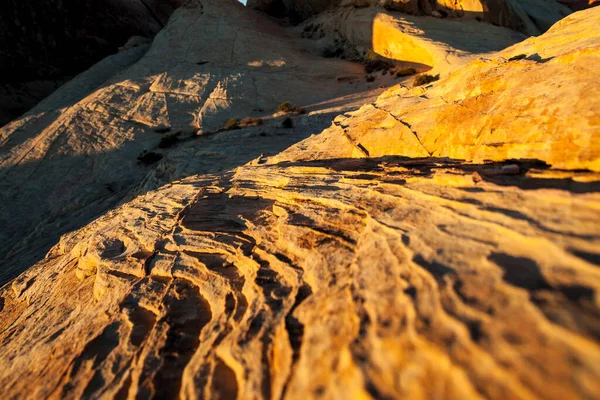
[507, 106]
[74, 156]
[372, 260]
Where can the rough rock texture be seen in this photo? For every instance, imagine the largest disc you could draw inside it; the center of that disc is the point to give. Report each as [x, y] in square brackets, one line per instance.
[74, 156]
[52, 40]
[493, 109]
[352, 265]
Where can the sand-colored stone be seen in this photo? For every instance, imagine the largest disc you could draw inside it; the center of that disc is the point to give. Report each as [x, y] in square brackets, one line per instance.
[364, 262]
[495, 108]
[74, 156]
[426, 42]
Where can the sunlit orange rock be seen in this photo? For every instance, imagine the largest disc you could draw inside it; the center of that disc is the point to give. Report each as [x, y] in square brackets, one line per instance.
[381, 258]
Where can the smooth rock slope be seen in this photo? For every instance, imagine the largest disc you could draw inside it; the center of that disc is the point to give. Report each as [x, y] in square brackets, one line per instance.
[531, 17]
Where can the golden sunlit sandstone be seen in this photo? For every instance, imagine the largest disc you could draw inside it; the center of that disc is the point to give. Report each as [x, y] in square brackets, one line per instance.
[495, 108]
[426, 42]
[380, 258]
[75, 155]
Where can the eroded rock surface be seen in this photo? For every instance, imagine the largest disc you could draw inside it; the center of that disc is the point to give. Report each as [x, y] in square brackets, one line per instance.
[372, 260]
[74, 156]
[443, 45]
[495, 108]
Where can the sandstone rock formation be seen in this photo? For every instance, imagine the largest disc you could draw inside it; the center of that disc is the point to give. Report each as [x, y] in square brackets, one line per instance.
[46, 42]
[441, 44]
[400, 253]
[473, 114]
[74, 156]
[531, 17]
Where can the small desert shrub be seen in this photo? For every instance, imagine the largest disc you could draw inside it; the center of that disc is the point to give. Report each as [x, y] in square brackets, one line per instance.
[232, 124]
[371, 55]
[370, 78]
[333, 51]
[250, 121]
[168, 140]
[149, 157]
[162, 129]
[287, 123]
[287, 108]
[425, 79]
[405, 72]
[377, 65]
[518, 57]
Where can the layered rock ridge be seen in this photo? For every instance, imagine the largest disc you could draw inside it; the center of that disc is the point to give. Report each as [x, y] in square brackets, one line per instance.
[74, 156]
[401, 253]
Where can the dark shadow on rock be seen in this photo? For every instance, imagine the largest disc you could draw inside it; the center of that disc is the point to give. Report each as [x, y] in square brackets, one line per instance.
[489, 171]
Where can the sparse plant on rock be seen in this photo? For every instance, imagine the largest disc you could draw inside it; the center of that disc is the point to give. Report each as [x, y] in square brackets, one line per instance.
[250, 121]
[236, 123]
[405, 72]
[378, 65]
[333, 51]
[169, 140]
[287, 123]
[288, 108]
[425, 79]
[149, 157]
[232, 124]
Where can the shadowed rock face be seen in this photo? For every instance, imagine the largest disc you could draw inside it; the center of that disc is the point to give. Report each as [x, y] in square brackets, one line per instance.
[531, 17]
[577, 5]
[385, 257]
[45, 41]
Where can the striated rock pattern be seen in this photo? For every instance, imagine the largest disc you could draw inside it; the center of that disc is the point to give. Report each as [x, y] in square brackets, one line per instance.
[377, 259]
[74, 156]
[375, 278]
